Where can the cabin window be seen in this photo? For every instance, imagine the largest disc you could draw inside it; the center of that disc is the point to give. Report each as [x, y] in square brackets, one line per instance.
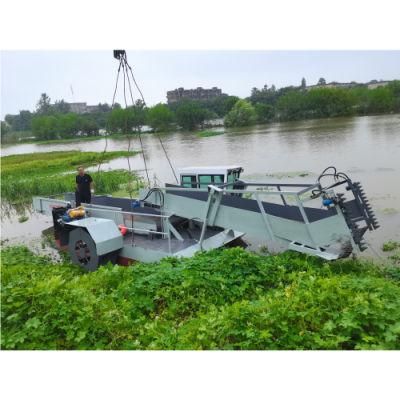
[206, 180]
[188, 181]
[231, 178]
[218, 179]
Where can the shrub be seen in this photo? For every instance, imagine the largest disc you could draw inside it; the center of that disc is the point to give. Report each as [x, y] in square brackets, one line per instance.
[242, 114]
[225, 299]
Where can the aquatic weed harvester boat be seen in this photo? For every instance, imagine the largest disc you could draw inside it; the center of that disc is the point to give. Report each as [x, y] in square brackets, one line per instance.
[208, 208]
[211, 208]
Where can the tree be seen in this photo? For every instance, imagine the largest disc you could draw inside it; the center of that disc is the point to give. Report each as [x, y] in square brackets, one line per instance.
[265, 95]
[45, 127]
[265, 112]
[242, 114]
[303, 83]
[291, 105]
[68, 124]
[4, 129]
[321, 82]
[160, 117]
[89, 126]
[138, 114]
[380, 100]
[20, 122]
[60, 106]
[328, 102]
[104, 108]
[228, 103]
[394, 88]
[124, 120]
[118, 121]
[190, 114]
[43, 106]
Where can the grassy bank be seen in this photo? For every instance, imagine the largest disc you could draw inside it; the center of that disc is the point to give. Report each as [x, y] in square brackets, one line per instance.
[44, 174]
[223, 299]
[209, 133]
[61, 141]
[77, 139]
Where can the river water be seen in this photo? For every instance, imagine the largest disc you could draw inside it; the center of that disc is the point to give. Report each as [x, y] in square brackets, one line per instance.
[366, 148]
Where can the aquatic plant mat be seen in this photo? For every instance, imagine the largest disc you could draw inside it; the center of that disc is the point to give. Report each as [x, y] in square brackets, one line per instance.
[223, 299]
[209, 133]
[45, 174]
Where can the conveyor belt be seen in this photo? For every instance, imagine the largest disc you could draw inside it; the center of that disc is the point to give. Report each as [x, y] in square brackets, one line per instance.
[278, 210]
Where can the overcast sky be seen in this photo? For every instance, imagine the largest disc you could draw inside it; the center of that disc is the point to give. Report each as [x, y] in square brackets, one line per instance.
[27, 74]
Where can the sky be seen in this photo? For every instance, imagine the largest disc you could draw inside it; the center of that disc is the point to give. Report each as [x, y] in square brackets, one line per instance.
[91, 74]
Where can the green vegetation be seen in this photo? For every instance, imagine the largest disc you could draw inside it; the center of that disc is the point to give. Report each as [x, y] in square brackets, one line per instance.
[45, 174]
[52, 122]
[190, 115]
[63, 126]
[295, 103]
[391, 245]
[23, 218]
[209, 133]
[223, 299]
[124, 120]
[160, 117]
[241, 114]
[65, 140]
[268, 104]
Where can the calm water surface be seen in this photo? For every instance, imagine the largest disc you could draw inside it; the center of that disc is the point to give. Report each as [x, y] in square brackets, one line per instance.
[366, 148]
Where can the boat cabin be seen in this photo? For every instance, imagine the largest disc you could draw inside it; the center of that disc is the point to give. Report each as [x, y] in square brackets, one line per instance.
[201, 177]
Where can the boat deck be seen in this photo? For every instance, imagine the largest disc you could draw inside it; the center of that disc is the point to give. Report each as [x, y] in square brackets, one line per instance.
[190, 238]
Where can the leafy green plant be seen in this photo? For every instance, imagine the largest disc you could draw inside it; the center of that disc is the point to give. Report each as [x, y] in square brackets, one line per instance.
[390, 245]
[241, 114]
[223, 299]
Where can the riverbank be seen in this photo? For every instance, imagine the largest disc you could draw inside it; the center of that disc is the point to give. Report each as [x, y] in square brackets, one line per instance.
[78, 139]
[223, 299]
[213, 130]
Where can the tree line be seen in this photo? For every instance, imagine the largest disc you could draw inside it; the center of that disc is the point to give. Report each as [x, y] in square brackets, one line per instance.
[295, 103]
[264, 105]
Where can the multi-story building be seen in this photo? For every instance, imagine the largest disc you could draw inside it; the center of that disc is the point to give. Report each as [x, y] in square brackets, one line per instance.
[370, 85]
[78, 108]
[81, 108]
[193, 94]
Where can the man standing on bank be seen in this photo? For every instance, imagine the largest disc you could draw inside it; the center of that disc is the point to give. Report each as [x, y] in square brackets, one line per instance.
[84, 187]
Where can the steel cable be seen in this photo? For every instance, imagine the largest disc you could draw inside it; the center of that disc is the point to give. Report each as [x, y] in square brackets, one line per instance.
[112, 105]
[158, 136]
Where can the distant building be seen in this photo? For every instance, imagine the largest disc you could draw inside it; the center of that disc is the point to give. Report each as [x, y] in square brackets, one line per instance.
[78, 108]
[375, 84]
[370, 85]
[92, 109]
[81, 108]
[193, 94]
[345, 85]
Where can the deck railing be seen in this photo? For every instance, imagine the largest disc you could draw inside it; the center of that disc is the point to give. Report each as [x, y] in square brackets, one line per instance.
[297, 195]
[165, 232]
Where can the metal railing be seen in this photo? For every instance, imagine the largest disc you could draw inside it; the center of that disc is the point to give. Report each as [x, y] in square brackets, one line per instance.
[297, 195]
[165, 232]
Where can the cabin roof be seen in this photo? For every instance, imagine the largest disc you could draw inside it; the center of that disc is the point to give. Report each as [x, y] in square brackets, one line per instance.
[212, 169]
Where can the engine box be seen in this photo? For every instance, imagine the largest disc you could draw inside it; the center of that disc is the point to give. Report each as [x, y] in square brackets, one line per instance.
[104, 233]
